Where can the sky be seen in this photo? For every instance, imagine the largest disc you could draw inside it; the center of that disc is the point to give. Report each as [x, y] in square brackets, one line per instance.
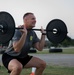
[44, 10]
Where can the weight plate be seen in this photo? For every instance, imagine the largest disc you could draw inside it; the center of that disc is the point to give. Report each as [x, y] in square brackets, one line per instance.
[58, 31]
[7, 21]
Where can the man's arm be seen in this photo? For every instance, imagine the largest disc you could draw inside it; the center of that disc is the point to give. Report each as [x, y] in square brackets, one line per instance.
[19, 44]
[40, 45]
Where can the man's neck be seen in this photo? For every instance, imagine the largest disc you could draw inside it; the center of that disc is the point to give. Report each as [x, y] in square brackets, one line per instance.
[26, 26]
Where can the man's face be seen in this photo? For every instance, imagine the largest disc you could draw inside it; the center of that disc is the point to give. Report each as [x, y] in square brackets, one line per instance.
[30, 21]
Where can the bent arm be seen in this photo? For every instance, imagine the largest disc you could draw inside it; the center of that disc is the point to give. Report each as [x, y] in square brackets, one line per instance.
[40, 45]
[19, 44]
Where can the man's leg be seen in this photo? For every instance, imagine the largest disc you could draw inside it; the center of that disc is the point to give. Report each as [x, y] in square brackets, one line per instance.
[38, 63]
[15, 67]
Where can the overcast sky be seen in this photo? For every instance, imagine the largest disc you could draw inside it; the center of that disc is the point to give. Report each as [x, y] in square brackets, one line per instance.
[44, 10]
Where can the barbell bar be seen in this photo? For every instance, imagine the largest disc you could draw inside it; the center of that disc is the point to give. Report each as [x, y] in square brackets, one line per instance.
[56, 30]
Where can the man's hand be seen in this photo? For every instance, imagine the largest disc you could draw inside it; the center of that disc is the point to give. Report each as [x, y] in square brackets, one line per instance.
[23, 30]
[42, 30]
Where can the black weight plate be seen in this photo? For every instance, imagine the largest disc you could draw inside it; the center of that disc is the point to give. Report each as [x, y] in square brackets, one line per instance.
[61, 31]
[8, 25]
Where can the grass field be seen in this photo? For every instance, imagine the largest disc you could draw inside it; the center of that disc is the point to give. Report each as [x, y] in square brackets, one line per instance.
[65, 51]
[50, 69]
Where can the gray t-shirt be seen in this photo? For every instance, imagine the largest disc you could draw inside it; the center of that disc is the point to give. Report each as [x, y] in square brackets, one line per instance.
[31, 39]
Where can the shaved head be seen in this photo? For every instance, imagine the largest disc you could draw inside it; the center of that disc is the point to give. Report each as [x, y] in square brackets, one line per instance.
[25, 15]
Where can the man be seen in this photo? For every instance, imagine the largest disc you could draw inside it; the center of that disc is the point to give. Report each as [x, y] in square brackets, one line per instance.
[16, 56]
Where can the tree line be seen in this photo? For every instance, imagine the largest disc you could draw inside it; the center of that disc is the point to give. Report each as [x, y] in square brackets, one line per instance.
[66, 43]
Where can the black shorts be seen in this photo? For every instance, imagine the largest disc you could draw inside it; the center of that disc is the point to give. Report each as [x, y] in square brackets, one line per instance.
[7, 58]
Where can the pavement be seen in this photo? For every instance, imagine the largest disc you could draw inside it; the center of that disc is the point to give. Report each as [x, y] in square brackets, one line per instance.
[55, 59]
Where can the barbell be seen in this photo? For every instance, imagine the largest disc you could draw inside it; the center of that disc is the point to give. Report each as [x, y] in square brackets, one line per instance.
[56, 30]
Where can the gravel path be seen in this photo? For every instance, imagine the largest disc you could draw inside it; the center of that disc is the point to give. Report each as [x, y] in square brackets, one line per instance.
[55, 59]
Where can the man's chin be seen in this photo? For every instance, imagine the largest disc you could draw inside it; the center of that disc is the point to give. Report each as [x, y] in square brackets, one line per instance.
[32, 26]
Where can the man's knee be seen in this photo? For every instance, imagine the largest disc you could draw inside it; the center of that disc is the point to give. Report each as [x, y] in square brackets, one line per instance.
[17, 68]
[43, 65]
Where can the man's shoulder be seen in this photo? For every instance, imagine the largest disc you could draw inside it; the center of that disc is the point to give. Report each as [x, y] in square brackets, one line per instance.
[33, 31]
[17, 31]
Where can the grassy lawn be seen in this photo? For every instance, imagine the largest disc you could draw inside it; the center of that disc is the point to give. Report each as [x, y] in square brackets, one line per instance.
[50, 70]
[65, 51]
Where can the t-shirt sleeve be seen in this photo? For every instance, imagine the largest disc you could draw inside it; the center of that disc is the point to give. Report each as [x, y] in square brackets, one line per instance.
[16, 36]
[35, 39]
